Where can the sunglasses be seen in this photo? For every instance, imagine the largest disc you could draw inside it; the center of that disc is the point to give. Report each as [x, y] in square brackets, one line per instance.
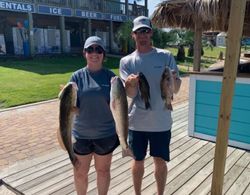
[97, 50]
[143, 31]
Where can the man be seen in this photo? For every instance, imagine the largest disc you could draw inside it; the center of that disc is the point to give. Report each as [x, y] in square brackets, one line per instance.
[148, 125]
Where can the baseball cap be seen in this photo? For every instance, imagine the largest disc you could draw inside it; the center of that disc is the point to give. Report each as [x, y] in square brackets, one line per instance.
[141, 22]
[94, 40]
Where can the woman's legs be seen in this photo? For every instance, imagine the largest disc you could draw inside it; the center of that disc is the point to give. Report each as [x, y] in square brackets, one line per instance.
[102, 166]
[81, 173]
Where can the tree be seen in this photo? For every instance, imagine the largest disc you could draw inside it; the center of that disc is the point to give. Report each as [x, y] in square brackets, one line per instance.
[123, 36]
[181, 53]
[163, 39]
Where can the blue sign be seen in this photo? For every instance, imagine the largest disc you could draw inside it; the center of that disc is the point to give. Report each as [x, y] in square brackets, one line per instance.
[100, 16]
[12, 6]
[54, 10]
[119, 18]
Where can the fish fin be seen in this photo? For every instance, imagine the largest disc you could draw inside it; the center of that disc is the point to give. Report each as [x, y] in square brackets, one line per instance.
[59, 139]
[127, 152]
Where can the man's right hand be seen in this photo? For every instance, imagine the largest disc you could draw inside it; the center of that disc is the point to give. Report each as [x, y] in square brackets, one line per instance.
[131, 85]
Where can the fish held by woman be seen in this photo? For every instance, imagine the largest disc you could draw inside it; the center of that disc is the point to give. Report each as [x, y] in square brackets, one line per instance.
[67, 111]
[119, 109]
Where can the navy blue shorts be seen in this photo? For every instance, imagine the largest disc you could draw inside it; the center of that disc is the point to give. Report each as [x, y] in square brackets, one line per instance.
[158, 143]
[101, 146]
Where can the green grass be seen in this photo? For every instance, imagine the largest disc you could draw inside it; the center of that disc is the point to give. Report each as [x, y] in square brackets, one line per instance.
[209, 57]
[28, 81]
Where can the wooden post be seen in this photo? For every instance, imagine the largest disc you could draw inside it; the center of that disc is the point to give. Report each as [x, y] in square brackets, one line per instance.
[197, 44]
[236, 21]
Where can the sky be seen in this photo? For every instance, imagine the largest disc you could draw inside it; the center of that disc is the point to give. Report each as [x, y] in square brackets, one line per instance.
[151, 6]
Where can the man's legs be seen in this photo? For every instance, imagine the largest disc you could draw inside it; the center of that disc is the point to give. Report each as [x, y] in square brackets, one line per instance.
[159, 149]
[138, 142]
[137, 172]
[161, 171]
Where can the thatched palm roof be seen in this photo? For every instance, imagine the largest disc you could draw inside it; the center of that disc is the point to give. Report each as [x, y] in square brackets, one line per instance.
[214, 14]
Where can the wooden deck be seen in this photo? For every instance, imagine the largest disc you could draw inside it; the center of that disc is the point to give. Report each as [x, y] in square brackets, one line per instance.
[190, 169]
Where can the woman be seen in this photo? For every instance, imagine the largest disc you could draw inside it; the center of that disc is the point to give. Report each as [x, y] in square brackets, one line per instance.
[94, 127]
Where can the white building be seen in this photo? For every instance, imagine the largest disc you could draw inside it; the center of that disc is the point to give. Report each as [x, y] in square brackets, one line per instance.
[221, 39]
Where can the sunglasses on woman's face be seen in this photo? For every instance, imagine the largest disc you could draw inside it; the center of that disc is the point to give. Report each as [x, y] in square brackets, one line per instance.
[97, 50]
[142, 31]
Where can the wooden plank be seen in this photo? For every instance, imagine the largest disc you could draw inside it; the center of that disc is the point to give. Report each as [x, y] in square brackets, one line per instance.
[179, 164]
[236, 19]
[183, 177]
[203, 174]
[180, 106]
[236, 171]
[40, 177]
[241, 183]
[247, 191]
[204, 187]
[26, 164]
[5, 191]
[37, 186]
[38, 167]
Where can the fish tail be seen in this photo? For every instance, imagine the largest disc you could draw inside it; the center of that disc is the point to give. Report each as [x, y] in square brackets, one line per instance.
[73, 159]
[127, 152]
[169, 107]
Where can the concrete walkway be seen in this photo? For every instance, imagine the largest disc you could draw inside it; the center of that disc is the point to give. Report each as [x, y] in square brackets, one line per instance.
[29, 131]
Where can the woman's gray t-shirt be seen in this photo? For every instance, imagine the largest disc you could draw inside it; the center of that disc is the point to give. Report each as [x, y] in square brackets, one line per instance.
[95, 119]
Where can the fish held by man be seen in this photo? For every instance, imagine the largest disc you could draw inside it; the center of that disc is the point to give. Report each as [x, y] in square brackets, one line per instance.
[167, 87]
[119, 109]
[144, 90]
[67, 111]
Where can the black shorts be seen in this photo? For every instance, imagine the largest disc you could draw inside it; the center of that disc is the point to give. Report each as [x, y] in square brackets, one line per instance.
[158, 143]
[101, 146]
